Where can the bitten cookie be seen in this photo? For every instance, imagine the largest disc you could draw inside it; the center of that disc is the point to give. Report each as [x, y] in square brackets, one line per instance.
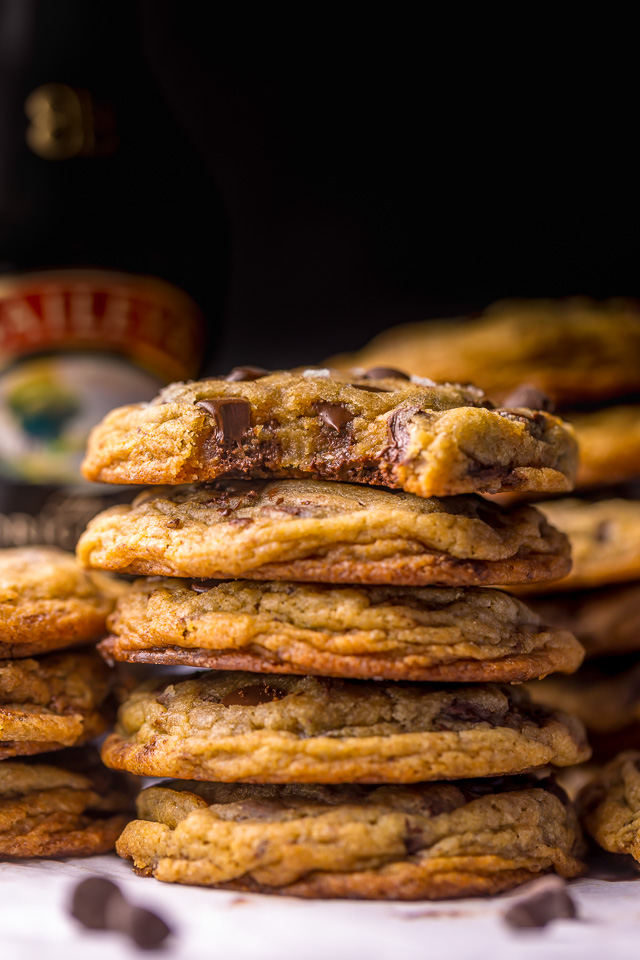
[48, 810]
[428, 841]
[575, 350]
[47, 601]
[282, 729]
[51, 702]
[609, 806]
[380, 428]
[323, 532]
[395, 633]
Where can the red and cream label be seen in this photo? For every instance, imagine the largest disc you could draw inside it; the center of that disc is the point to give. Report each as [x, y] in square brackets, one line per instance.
[147, 319]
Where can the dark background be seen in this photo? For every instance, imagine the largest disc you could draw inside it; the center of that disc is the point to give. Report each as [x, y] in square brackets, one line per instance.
[378, 171]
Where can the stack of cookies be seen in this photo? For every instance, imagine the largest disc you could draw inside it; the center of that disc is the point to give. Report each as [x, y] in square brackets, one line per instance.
[329, 568]
[585, 357]
[65, 803]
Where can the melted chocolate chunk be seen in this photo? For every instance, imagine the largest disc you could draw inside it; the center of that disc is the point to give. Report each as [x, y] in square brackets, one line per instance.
[246, 373]
[369, 389]
[384, 373]
[201, 586]
[335, 415]
[232, 417]
[465, 711]
[252, 696]
[548, 900]
[398, 432]
[526, 395]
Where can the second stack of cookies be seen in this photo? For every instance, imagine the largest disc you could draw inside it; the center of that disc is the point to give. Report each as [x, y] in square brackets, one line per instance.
[340, 740]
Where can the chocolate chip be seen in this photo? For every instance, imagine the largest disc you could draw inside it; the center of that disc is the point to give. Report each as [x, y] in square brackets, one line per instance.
[335, 415]
[89, 901]
[398, 431]
[146, 929]
[252, 696]
[526, 395]
[547, 900]
[201, 586]
[384, 373]
[364, 386]
[603, 531]
[98, 904]
[232, 416]
[246, 373]
[414, 838]
[175, 523]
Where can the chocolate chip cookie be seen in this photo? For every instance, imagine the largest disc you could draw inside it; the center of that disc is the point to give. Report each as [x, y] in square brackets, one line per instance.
[47, 601]
[575, 350]
[393, 633]
[283, 729]
[429, 841]
[610, 805]
[609, 441]
[381, 428]
[323, 532]
[51, 702]
[47, 810]
[605, 540]
[606, 621]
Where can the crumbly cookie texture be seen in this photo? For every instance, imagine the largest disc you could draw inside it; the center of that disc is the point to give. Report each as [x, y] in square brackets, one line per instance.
[609, 806]
[52, 702]
[382, 428]
[609, 442]
[47, 601]
[282, 729]
[323, 532]
[575, 350]
[47, 810]
[428, 841]
[605, 699]
[606, 621]
[605, 540]
[395, 633]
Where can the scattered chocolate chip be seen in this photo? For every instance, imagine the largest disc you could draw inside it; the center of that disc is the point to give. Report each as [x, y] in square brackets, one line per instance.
[252, 696]
[201, 586]
[335, 415]
[98, 904]
[89, 901]
[546, 900]
[246, 373]
[232, 416]
[384, 373]
[526, 395]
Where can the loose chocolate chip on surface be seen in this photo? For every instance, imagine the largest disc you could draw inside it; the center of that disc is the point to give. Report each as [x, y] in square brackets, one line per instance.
[232, 417]
[252, 696]
[546, 900]
[89, 901]
[526, 395]
[246, 373]
[384, 373]
[335, 415]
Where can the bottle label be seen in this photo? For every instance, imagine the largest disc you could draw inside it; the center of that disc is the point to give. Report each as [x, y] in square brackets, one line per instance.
[74, 345]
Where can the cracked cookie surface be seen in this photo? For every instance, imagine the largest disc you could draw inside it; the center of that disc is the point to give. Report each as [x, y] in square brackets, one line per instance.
[428, 841]
[394, 633]
[387, 430]
[283, 729]
[53, 810]
[323, 532]
[47, 601]
[52, 702]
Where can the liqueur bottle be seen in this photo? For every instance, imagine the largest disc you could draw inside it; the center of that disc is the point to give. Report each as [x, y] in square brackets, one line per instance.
[113, 252]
